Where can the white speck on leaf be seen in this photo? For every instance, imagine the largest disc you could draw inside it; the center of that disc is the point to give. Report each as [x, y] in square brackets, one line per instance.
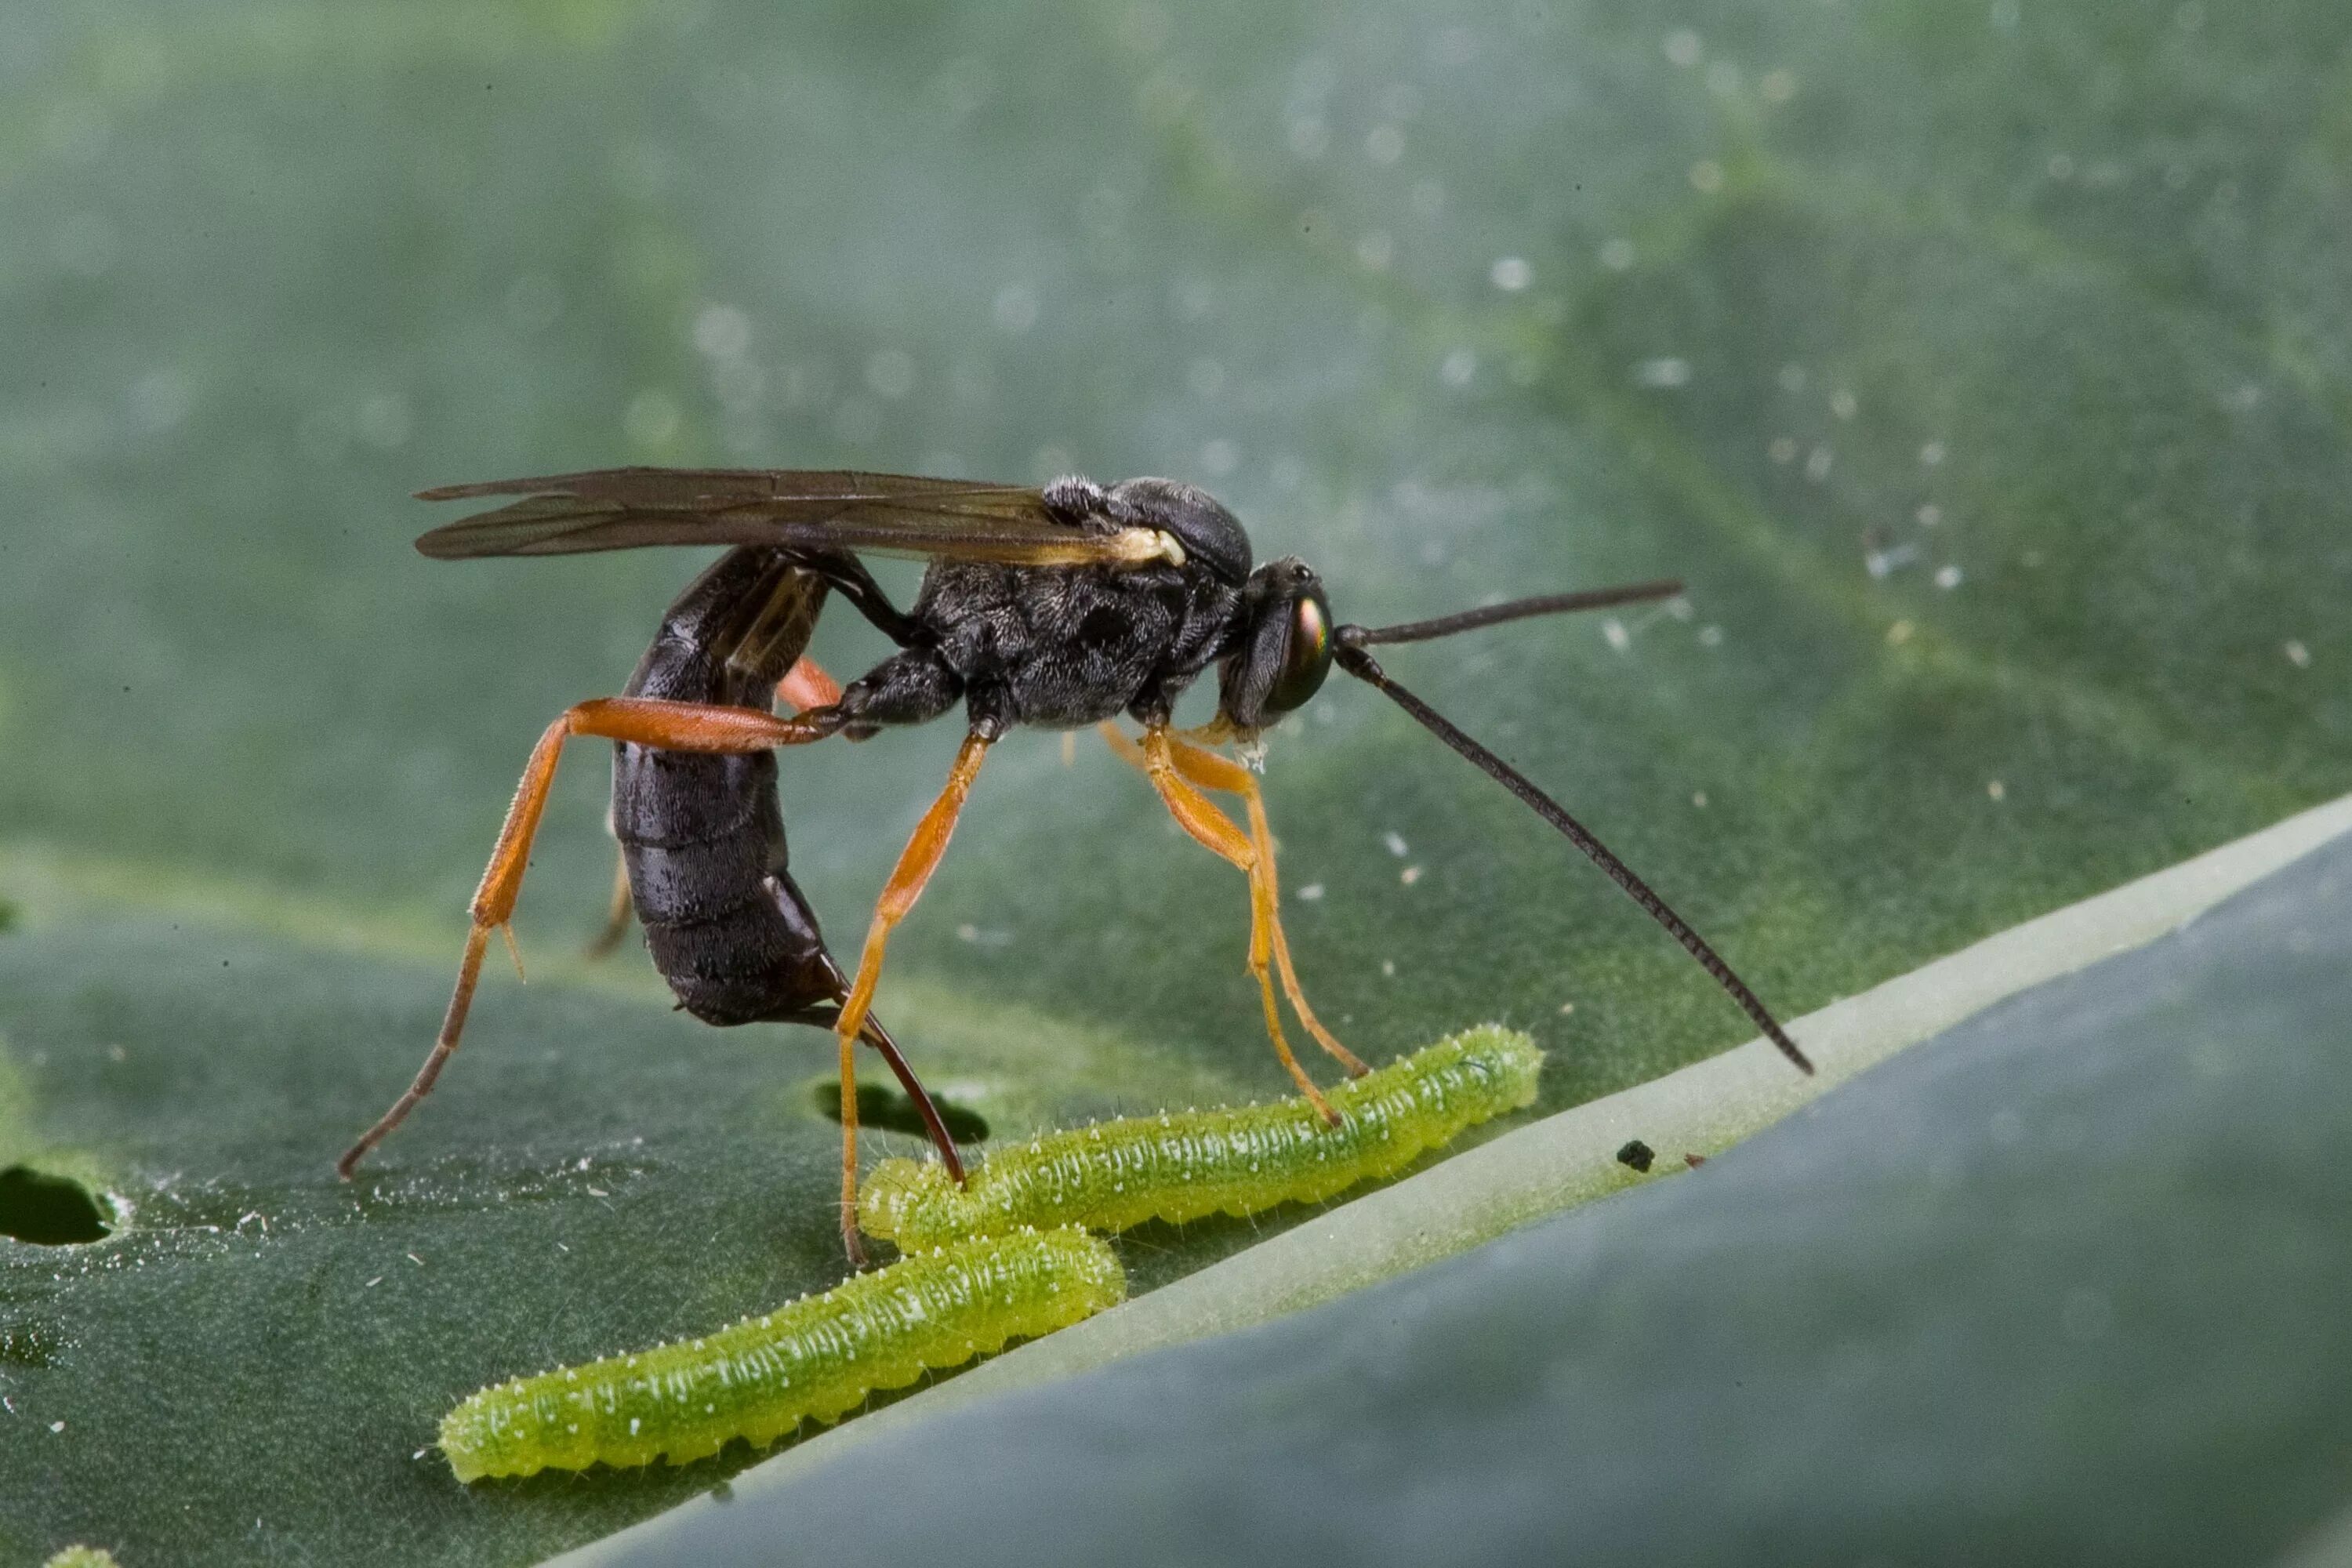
[722, 332]
[1015, 310]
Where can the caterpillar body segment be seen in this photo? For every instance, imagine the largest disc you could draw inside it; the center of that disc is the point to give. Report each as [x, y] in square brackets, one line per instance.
[1182, 1166]
[814, 1359]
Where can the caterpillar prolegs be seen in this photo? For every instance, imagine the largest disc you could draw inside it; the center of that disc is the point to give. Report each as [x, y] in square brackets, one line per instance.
[1180, 1166]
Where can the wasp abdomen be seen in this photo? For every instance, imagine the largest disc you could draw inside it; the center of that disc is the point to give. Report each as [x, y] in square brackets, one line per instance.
[702, 835]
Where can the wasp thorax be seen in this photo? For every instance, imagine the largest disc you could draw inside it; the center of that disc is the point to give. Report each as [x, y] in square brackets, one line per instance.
[1193, 518]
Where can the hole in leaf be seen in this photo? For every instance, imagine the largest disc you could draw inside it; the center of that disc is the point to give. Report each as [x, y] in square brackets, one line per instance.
[48, 1211]
[881, 1105]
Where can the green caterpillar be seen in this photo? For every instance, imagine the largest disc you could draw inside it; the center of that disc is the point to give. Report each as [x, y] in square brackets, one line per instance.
[1116, 1174]
[812, 1360]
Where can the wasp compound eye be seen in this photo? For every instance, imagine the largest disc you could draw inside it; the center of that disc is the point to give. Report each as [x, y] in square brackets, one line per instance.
[1308, 658]
[1285, 652]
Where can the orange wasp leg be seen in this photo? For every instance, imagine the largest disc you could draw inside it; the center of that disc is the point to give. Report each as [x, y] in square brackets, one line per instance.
[1211, 828]
[641, 721]
[916, 863]
[617, 912]
[1205, 768]
[1209, 771]
[805, 686]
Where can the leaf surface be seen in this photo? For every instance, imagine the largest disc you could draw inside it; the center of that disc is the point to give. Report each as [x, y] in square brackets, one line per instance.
[1980, 371]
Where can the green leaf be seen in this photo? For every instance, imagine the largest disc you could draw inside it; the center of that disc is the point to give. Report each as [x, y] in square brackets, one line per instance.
[1561, 1163]
[2060, 1285]
[1821, 308]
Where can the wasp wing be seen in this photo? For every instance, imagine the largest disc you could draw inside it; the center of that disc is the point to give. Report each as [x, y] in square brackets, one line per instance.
[890, 514]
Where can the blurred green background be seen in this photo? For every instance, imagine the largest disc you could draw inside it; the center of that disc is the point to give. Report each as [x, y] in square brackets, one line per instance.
[1984, 368]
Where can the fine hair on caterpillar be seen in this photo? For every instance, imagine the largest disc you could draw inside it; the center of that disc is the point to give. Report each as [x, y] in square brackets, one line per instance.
[1182, 1166]
[814, 1360]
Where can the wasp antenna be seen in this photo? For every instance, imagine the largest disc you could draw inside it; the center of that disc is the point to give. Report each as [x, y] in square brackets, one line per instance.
[1351, 657]
[1513, 610]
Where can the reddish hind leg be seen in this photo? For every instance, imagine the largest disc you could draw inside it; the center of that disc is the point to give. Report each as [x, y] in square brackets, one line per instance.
[641, 721]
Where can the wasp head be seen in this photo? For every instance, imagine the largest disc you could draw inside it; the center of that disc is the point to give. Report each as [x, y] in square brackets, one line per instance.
[1282, 649]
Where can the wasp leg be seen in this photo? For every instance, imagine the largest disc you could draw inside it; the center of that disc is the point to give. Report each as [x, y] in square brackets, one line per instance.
[872, 1032]
[1199, 816]
[934, 1124]
[853, 582]
[1209, 771]
[641, 721]
[807, 686]
[616, 913]
[916, 864]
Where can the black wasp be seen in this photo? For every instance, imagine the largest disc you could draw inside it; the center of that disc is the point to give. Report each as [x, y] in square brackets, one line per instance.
[1060, 607]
